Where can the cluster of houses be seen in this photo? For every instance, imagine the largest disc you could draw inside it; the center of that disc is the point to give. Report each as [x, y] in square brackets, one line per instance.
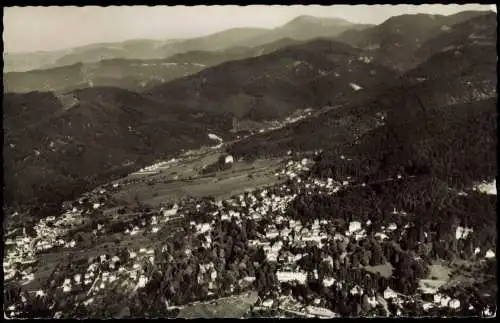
[269, 205]
[155, 168]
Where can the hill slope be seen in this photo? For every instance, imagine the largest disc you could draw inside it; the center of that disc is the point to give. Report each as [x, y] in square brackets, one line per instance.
[127, 74]
[212, 58]
[139, 64]
[137, 49]
[456, 143]
[214, 42]
[274, 85]
[22, 62]
[477, 31]
[54, 144]
[304, 28]
[131, 49]
[445, 79]
[136, 75]
[393, 42]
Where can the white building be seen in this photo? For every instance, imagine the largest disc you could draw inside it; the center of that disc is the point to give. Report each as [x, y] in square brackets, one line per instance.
[211, 136]
[229, 159]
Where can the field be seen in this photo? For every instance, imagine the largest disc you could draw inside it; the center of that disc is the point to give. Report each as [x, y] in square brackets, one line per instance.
[438, 276]
[230, 307]
[183, 179]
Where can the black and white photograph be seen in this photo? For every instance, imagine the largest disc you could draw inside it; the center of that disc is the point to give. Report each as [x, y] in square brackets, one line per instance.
[257, 161]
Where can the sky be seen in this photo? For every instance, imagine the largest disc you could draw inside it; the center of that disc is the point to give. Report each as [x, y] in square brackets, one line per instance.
[29, 29]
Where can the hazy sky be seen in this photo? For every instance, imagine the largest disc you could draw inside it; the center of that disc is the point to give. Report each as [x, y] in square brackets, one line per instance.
[50, 28]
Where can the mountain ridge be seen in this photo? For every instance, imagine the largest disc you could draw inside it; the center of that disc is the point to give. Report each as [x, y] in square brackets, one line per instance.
[393, 42]
[272, 77]
[158, 49]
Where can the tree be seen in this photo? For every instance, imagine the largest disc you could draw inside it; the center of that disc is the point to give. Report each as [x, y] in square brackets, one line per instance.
[365, 304]
[337, 264]
[260, 255]
[404, 267]
[377, 256]
[355, 260]
[419, 270]
[365, 259]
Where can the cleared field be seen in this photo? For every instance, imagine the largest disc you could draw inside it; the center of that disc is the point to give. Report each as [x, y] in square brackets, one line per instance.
[184, 179]
[231, 307]
[467, 273]
[438, 276]
[384, 270]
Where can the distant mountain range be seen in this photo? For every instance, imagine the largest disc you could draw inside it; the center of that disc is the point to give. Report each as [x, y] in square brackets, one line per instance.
[135, 75]
[301, 28]
[306, 28]
[142, 64]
